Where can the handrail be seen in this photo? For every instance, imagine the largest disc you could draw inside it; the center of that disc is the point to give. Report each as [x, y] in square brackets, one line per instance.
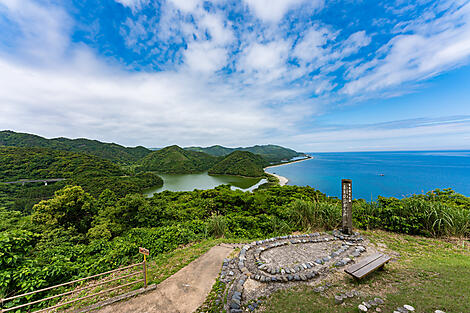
[2, 301]
[71, 282]
[78, 299]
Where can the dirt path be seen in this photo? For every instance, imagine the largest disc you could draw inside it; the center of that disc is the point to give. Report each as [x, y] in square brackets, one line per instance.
[183, 292]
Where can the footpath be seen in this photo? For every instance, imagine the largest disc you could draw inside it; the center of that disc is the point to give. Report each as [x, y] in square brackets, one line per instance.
[183, 292]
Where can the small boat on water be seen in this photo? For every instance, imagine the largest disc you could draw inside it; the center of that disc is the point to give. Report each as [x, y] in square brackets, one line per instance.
[381, 174]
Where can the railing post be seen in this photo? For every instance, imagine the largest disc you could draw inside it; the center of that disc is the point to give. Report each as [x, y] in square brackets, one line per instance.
[145, 271]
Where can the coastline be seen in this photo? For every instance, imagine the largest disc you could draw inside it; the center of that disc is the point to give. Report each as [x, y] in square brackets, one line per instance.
[283, 180]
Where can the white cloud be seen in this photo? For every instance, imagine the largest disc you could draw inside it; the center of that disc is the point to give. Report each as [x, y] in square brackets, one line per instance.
[432, 48]
[44, 31]
[134, 5]
[354, 42]
[186, 6]
[204, 57]
[263, 63]
[313, 46]
[274, 10]
[416, 135]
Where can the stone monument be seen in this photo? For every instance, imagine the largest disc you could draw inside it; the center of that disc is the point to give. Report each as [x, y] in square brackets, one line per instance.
[346, 185]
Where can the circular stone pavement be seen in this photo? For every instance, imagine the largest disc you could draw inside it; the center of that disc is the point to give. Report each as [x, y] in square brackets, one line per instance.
[268, 265]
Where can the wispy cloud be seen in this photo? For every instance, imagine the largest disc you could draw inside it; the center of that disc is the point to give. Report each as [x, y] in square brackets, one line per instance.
[231, 72]
[420, 51]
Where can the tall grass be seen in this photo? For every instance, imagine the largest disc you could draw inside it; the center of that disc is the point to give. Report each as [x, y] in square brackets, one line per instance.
[414, 215]
[217, 226]
[308, 215]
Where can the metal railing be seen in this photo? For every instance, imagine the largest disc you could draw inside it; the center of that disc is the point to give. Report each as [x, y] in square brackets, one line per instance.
[100, 283]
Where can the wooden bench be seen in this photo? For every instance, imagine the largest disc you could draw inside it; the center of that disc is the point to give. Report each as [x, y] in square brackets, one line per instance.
[368, 265]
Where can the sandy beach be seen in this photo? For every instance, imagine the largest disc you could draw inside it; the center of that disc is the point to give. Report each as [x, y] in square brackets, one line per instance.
[283, 180]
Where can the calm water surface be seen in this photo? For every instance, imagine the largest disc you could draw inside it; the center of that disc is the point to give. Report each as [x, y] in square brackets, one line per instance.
[404, 173]
[203, 181]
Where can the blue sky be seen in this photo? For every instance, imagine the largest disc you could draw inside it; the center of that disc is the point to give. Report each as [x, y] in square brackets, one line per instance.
[312, 75]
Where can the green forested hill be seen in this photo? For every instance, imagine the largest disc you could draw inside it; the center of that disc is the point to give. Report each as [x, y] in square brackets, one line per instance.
[242, 163]
[176, 160]
[271, 153]
[92, 173]
[213, 150]
[108, 151]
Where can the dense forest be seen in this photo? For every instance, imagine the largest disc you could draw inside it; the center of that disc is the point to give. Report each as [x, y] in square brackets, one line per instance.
[108, 151]
[242, 163]
[271, 153]
[176, 160]
[92, 173]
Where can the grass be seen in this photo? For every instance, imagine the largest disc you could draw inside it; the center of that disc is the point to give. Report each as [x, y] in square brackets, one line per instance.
[426, 273]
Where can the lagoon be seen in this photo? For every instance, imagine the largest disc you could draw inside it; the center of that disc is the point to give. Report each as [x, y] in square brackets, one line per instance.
[203, 181]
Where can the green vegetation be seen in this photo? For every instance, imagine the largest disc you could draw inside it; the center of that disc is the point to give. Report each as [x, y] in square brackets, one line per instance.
[271, 153]
[76, 234]
[93, 173]
[428, 274]
[241, 163]
[97, 218]
[175, 160]
[108, 151]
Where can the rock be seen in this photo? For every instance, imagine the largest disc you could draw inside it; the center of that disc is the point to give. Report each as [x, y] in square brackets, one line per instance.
[366, 304]
[234, 305]
[409, 307]
[379, 301]
[372, 303]
[402, 310]
[439, 311]
[378, 310]
[339, 264]
[362, 308]
[338, 299]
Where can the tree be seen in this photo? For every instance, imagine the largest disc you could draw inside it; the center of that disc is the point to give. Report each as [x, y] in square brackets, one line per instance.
[71, 207]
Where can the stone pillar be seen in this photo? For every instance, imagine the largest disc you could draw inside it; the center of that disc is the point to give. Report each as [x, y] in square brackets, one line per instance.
[346, 185]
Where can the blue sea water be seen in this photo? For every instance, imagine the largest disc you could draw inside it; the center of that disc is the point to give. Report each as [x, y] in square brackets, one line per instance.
[404, 173]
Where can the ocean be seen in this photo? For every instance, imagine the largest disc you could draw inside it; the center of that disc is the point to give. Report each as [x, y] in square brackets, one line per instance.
[388, 174]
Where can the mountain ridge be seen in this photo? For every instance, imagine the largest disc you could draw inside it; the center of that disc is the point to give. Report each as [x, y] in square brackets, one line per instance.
[109, 151]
